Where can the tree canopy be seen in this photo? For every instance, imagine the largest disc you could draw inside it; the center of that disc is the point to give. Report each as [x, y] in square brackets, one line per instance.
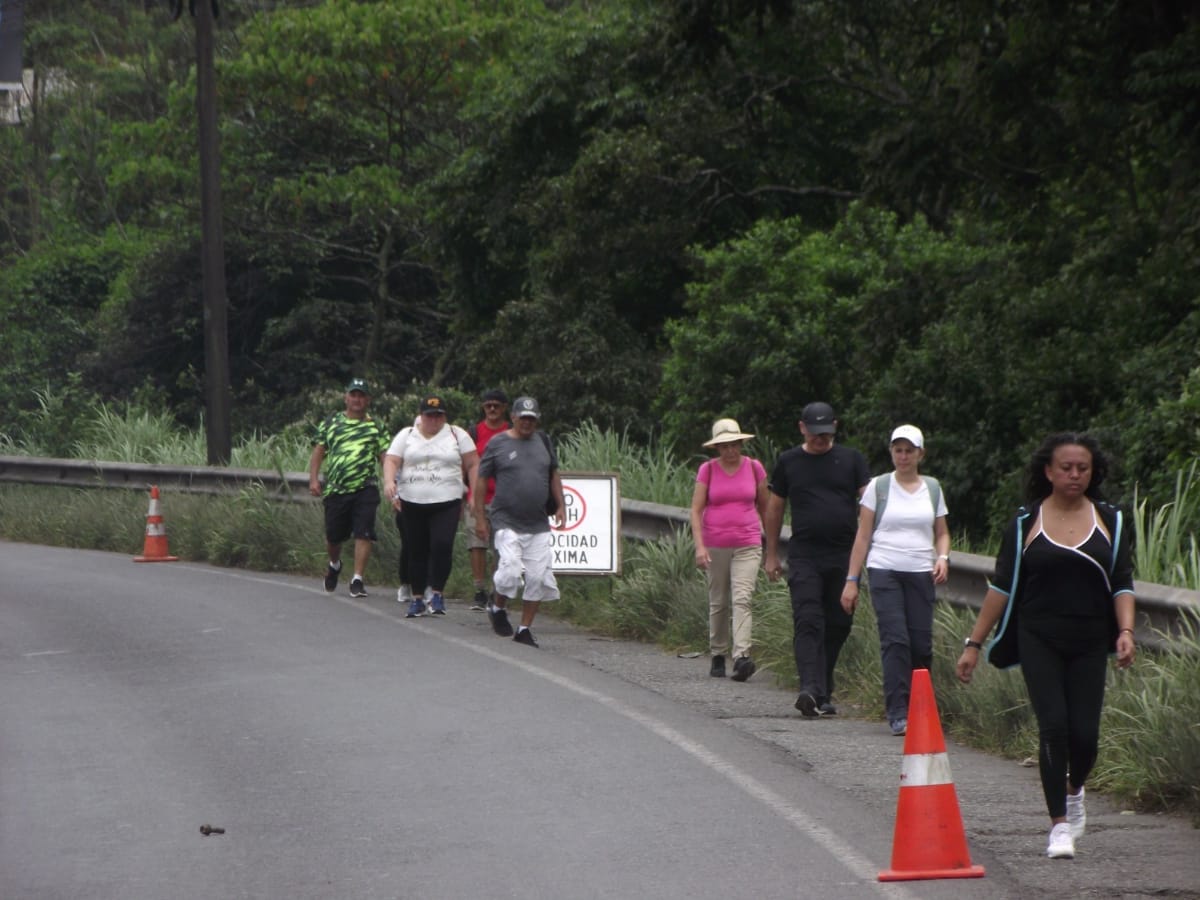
[981, 217]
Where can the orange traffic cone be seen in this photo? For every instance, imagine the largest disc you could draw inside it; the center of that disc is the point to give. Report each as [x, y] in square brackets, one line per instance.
[155, 547]
[929, 841]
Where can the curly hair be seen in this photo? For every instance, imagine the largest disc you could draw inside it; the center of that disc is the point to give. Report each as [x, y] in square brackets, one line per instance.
[1037, 486]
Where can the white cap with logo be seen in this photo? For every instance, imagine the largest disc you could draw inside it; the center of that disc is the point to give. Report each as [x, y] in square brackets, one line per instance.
[910, 433]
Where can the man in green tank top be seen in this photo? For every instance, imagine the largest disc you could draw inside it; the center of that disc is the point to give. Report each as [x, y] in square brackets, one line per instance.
[351, 445]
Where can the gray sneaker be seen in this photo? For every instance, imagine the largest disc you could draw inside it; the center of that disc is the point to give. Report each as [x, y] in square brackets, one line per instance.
[357, 588]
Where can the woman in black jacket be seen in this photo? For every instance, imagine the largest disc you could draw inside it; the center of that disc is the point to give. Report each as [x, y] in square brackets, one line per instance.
[1062, 594]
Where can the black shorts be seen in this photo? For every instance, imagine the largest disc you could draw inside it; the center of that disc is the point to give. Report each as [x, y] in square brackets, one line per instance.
[351, 514]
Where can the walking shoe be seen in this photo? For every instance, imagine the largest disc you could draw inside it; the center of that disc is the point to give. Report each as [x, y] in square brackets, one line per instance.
[480, 601]
[1061, 845]
[331, 578]
[899, 727]
[499, 619]
[525, 636]
[437, 604]
[827, 709]
[743, 668]
[1076, 815]
[404, 594]
[416, 608]
[717, 670]
[357, 588]
[807, 704]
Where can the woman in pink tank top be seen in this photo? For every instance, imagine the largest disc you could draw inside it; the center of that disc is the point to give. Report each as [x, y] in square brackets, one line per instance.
[727, 509]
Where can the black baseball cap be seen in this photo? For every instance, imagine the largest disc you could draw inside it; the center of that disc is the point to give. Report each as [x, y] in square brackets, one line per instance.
[818, 418]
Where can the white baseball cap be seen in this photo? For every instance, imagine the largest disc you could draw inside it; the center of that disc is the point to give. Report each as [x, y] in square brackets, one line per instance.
[910, 433]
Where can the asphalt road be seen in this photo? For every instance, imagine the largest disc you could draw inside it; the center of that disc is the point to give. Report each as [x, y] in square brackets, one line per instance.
[350, 753]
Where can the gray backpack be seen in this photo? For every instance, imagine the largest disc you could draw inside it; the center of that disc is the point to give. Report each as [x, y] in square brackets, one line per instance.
[884, 482]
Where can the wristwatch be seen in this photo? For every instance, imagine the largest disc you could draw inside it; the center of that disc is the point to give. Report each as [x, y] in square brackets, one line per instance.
[970, 643]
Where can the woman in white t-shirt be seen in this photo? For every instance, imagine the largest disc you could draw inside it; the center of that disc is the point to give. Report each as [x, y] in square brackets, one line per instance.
[425, 474]
[905, 542]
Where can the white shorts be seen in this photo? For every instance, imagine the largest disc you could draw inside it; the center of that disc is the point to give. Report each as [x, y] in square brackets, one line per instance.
[528, 554]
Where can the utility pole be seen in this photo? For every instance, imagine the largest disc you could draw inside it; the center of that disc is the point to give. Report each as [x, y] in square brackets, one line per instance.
[212, 243]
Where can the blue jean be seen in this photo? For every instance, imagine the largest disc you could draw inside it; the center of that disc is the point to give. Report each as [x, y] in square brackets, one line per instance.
[903, 604]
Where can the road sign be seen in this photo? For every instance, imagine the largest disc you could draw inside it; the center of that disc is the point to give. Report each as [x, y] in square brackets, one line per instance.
[589, 543]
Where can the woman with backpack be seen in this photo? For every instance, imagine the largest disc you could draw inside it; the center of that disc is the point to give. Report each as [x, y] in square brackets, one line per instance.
[905, 542]
[728, 502]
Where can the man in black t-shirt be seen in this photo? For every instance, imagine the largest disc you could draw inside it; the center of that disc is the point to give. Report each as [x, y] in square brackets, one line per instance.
[822, 483]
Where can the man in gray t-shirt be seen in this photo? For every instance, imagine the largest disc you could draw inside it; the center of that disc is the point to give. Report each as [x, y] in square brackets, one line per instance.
[523, 463]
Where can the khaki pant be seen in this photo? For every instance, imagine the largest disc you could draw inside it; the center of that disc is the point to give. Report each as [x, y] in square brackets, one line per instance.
[732, 572]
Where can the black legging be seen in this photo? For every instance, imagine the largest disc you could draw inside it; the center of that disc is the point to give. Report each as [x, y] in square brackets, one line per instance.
[1064, 675]
[427, 531]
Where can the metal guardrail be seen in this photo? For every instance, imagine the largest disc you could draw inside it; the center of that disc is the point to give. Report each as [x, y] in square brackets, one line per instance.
[1159, 606]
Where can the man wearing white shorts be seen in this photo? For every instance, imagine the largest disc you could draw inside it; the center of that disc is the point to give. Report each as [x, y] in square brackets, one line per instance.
[525, 469]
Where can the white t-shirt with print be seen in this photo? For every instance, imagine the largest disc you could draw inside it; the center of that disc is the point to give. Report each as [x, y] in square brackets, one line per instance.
[432, 468]
[903, 538]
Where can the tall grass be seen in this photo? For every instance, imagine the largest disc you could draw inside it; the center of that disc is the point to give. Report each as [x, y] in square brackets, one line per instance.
[1166, 550]
[651, 473]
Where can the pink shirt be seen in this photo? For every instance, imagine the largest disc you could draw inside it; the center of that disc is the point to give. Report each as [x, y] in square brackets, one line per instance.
[730, 517]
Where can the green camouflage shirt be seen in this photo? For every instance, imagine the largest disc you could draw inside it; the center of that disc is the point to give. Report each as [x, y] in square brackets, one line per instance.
[352, 448]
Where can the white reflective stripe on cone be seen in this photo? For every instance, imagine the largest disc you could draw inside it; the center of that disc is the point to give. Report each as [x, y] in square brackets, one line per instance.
[924, 769]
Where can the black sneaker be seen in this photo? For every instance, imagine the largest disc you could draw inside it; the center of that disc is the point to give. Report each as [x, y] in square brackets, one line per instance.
[357, 588]
[331, 578]
[481, 600]
[718, 667]
[525, 636]
[827, 709]
[743, 668]
[807, 704]
[499, 620]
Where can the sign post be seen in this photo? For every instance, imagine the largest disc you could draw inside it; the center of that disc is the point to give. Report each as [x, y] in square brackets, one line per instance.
[589, 543]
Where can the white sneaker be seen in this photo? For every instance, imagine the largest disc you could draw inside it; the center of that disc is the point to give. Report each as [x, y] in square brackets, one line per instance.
[1076, 815]
[404, 594]
[1061, 845]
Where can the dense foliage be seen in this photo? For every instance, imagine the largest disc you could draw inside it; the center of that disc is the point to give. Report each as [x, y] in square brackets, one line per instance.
[980, 216]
